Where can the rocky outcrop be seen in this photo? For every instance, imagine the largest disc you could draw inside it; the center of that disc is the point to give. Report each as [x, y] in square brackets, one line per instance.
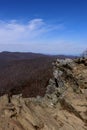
[64, 106]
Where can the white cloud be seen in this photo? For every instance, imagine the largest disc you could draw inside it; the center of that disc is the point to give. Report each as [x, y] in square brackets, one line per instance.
[15, 36]
[12, 32]
[35, 24]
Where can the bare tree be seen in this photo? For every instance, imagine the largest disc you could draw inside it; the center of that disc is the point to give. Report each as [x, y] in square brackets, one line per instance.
[84, 54]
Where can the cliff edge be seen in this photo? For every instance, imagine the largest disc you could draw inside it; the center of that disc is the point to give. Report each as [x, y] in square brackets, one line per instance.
[64, 106]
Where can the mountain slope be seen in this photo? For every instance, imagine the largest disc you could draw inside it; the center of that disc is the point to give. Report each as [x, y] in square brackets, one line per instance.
[64, 106]
[26, 73]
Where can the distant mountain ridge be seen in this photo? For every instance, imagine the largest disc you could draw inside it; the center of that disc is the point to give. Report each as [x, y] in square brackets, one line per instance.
[5, 55]
[18, 55]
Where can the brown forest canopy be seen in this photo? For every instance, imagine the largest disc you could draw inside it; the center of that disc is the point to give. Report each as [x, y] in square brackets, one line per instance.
[26, 73]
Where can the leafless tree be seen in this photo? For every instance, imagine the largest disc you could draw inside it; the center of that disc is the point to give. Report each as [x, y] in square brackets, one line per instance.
[84, 54]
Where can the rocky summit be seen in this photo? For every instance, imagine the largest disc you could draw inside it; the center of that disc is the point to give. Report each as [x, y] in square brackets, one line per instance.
[64, 106]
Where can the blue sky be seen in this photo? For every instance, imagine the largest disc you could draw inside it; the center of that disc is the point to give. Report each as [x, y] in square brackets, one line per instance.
[44, 26]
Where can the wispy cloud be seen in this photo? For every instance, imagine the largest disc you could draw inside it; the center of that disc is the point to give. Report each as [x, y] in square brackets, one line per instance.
[12, 32]
[38, 35]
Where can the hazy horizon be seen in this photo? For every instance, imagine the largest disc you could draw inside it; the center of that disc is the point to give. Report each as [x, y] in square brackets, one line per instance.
[43, 26]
